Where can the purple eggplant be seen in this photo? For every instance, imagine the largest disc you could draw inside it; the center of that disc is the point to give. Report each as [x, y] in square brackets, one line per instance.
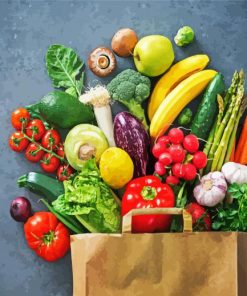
[130, 135]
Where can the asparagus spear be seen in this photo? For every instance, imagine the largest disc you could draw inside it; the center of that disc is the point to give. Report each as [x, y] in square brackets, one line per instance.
[211, 144]
[222, 147]
[221, 123]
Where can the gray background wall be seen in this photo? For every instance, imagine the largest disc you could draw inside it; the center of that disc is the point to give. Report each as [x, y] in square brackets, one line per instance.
[27, 28]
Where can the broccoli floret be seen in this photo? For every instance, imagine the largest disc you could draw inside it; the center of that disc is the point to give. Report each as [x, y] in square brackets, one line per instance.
[184, 36]
[131, 88]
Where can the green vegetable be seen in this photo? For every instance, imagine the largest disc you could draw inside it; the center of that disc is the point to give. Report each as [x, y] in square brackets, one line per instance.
[185, 117]
[41, 184]
[49, 188]
[62, 110]
[185, 35]
[90, 200]
[231, 118]
[131, 89]
[232, 216]
[65, 69]
[207, 110]
[83, 142]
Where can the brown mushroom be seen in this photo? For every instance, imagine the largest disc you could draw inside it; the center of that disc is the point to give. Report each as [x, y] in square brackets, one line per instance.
[102, 61]
[124, 42]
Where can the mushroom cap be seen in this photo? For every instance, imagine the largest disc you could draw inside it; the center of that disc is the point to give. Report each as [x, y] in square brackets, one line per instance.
[102, 61]
[124, 42]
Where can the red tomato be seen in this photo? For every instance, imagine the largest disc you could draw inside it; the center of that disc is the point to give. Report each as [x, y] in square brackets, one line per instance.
[49, 163]
[20, 118]
[51, 139]
[148, 192]
[33, 153]
[35, 129]
[60, 150]
[48, 237]
[64, 172]
[17, 142]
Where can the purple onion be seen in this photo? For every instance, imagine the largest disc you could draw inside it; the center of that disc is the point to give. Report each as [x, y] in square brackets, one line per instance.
[20, 209]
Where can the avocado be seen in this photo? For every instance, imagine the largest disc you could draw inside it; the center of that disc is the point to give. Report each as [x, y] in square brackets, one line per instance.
[64, 110]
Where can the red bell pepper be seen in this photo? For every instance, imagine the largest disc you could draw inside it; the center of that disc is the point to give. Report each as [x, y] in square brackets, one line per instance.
[148, 192]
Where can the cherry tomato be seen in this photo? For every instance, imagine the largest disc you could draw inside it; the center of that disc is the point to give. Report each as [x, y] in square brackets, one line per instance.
[200, 160]
[20, 118]
[64, 172]
[159, 168]
[49, 163]
[158, 149]
[165, 158]
[46, 236]
[189, 172]
[36, 129]
[178, 170]
[172, 180]
[51, 139]
[33, 153]
[177, 153]
[176, 136]
[60, 150]
[17, 142]
[191, 143]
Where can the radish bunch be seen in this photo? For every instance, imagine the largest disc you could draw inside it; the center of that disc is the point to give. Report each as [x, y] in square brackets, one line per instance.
[178, 156]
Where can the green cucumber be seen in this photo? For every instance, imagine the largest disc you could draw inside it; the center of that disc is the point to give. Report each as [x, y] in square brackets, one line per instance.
[42, 185]
[208, 108]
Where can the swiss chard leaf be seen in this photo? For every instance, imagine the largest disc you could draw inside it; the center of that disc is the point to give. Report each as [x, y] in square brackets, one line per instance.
[63, 67]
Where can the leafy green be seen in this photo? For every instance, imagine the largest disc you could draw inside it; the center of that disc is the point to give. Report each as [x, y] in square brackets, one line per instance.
[232, 216]
[64, 66]
[89, 199]
[181, 201]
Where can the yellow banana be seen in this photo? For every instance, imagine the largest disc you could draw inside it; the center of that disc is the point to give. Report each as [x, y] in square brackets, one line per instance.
[175, 75]
[177, 99]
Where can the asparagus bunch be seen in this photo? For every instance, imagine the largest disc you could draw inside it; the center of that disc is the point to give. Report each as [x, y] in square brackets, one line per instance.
[223, 133]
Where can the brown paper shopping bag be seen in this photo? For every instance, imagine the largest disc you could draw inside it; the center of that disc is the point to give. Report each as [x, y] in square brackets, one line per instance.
[160, 264]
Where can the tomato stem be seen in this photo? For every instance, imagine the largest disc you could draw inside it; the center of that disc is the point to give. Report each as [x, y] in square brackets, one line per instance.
[44, 149]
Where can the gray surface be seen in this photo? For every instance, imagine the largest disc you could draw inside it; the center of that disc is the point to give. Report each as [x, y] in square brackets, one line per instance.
[26, 30]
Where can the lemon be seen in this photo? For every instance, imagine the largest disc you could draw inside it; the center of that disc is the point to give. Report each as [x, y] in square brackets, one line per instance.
[116, 167]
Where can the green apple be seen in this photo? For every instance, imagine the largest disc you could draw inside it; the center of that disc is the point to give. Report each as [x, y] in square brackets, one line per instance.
[153, 55]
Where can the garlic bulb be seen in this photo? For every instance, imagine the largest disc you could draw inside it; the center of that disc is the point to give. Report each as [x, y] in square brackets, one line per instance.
[211, 190]
[235, 172]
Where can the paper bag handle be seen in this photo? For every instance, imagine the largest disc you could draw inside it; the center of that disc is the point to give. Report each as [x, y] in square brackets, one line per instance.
[127, 219]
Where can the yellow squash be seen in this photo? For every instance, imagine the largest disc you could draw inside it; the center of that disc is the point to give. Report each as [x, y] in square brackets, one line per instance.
[177, 99]
[173, 77]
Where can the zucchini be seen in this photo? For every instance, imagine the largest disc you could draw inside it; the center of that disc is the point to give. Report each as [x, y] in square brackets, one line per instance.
[208, 108]
[41, 184]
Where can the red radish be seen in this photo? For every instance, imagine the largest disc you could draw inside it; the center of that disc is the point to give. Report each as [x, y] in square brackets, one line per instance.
[191, 143]
[189, 172]
[176, 136]
[177, 153]
[158, 149]
[165, 158]
[164, 140]
[200, 218]
[200, 160]
[178, 170]
[172, 180]
[159, 168]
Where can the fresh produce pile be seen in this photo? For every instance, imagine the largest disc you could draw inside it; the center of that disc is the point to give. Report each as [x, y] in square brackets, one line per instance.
[157, 153]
